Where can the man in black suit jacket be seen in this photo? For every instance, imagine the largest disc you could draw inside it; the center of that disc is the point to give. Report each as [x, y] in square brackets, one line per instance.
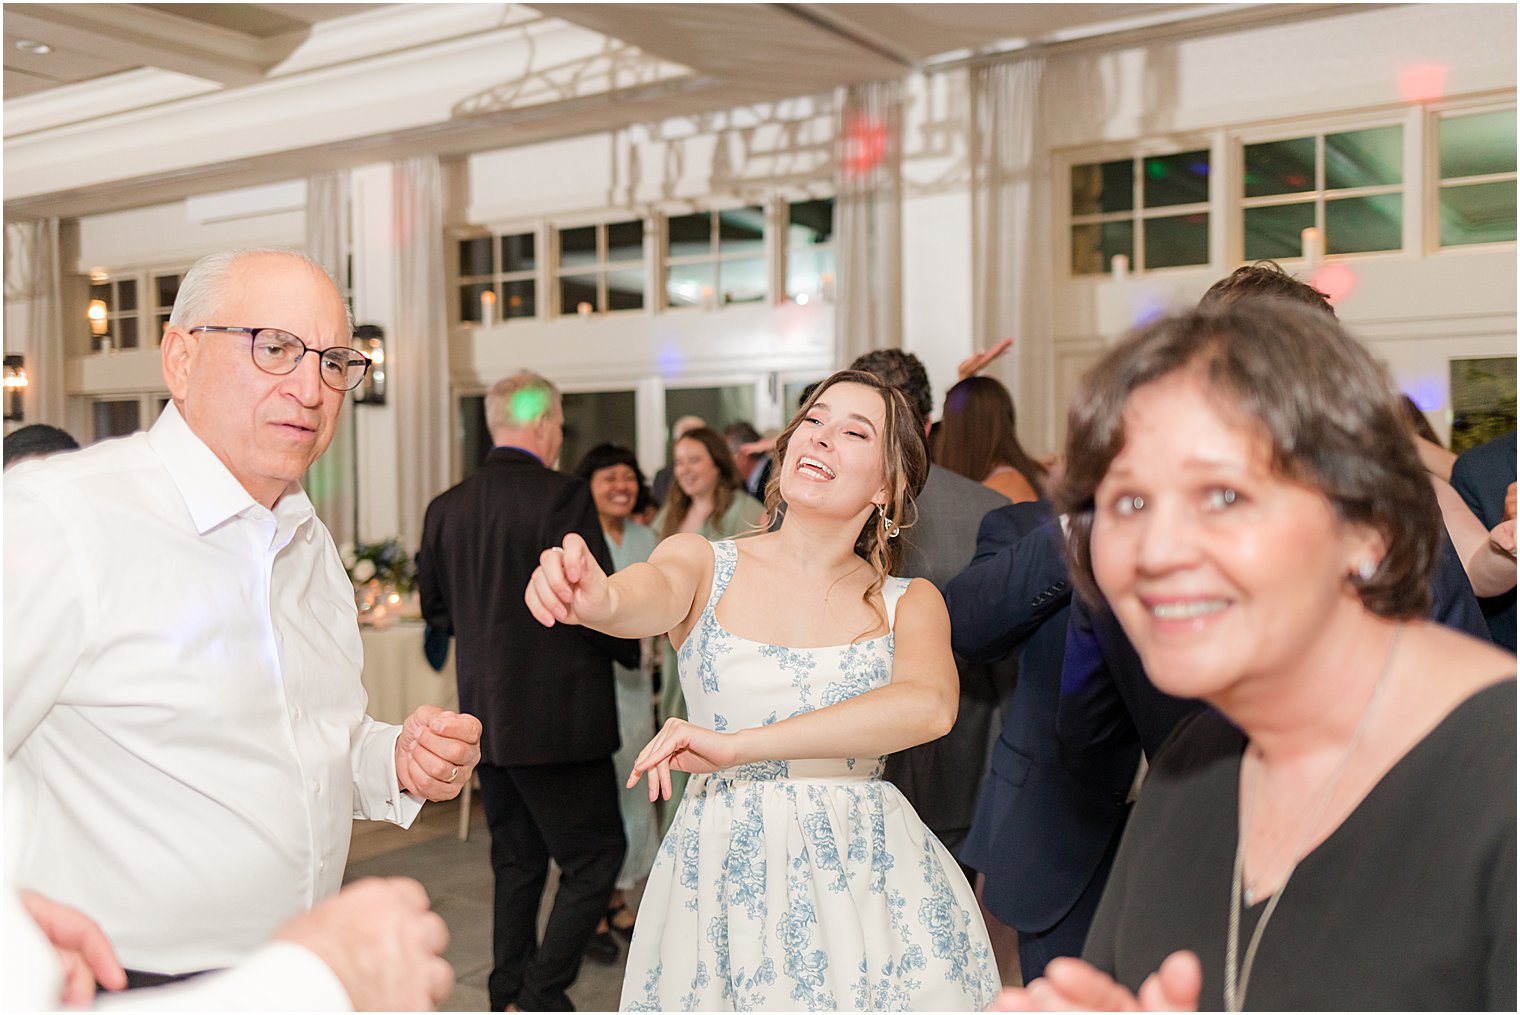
[1046, 830]
[544, 695]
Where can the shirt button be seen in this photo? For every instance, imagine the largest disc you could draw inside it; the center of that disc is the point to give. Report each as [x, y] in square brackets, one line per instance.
[295, 712]
[316, 788]
[321, 866]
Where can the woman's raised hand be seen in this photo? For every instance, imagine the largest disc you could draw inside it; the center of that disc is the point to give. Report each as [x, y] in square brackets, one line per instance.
[686, 748]
[568, 586]
[1074, 985]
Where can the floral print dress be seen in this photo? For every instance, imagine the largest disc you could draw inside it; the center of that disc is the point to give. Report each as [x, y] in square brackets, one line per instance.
[799, 885]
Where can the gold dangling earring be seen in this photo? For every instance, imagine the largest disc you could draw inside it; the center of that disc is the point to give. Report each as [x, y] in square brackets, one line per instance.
[888, 524]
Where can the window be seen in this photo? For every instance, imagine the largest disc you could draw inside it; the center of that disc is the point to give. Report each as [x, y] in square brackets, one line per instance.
[810, 250]
[601, 268]
[116, 300]
[497, 278]
[719, 406]
[716, 258]
[596, 417]
[1482, 400]
[128, 311]
[1153, 210]
[164, 289]
[1477, 173]
[1349, 185]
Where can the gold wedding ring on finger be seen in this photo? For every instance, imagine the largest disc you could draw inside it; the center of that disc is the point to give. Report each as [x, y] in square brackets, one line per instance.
[454, 774]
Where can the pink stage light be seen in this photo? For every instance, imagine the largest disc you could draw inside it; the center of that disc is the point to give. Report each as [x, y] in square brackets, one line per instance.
[1423, 82]
[1335, 281]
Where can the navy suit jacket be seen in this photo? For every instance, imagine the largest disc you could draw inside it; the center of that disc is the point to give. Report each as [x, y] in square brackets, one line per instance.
[1042, 825]
[1482, 475]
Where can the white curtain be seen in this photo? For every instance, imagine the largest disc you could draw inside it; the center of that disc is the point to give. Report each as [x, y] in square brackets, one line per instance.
[868, 209]
[332, 480]
[34, 281]
[418, 350]
[1013, 250]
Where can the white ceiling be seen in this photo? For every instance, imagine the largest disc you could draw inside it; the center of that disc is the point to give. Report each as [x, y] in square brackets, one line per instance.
[141, 103]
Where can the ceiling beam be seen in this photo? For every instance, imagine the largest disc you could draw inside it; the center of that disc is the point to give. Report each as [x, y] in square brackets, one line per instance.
[134, 34]
[849, 31]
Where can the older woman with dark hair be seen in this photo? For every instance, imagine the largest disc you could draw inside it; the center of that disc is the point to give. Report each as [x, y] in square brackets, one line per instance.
[1338, 831]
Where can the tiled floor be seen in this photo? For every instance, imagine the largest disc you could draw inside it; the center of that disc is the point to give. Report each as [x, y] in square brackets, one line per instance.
[457, 876]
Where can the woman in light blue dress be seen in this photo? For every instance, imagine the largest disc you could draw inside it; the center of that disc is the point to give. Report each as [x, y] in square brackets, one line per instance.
[613, 474]
[793, 876]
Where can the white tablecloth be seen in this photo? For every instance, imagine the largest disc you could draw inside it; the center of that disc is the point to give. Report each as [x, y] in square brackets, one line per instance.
[397, 676]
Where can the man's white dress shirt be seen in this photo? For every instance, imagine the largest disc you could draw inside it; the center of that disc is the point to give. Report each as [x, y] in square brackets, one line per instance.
[183, 706]
[281, 976]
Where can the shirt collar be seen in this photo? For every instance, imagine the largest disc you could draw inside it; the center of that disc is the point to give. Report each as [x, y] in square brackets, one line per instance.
[211, 493]
[514, 447]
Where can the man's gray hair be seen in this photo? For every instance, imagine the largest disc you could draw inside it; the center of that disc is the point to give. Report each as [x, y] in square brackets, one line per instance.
[201, 290]
[520, 401]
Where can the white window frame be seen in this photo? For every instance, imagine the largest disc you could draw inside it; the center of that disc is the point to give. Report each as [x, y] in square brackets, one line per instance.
[1408, 188]
[1136, 152]
[497, 278]
[602, 267]
[1430, 164]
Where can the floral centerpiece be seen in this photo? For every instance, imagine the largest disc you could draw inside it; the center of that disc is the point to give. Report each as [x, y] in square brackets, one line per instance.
[384, 577]
[386, 562]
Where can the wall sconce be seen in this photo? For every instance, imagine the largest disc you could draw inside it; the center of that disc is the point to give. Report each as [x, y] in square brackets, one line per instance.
[370, 340]
[16, 381]
[98, 325]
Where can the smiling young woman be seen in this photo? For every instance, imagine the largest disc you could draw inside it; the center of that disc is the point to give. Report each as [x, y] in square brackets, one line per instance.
[793, 874]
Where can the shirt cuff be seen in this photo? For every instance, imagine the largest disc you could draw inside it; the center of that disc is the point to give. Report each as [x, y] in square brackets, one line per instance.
[405, 806]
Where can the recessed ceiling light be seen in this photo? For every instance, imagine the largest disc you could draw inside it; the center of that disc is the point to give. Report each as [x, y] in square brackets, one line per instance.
[33, 47]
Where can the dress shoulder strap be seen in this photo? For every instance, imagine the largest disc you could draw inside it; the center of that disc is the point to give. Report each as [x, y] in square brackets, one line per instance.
[892, 590]
[725, 558]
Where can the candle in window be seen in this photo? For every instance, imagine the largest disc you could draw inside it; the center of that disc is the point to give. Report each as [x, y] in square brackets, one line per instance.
[583, 308]
[1119, 265]
[1312, 250]
[827, 288]
[488, 307]
[707, 297]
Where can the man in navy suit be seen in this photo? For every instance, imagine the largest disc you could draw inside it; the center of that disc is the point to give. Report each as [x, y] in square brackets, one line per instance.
[1046, 829]
[1483, 476]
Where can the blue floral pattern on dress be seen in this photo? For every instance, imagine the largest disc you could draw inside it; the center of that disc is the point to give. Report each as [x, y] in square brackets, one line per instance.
[811, 884]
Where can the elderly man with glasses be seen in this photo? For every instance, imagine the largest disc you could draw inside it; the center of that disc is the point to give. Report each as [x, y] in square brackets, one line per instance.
[183, 710]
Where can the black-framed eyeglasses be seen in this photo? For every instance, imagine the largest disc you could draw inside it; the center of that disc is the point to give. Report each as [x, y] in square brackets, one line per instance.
[279, 352]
